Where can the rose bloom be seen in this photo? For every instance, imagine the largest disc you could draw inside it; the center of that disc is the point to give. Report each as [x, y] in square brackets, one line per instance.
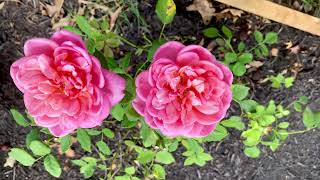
[185, 92]
[64, 87]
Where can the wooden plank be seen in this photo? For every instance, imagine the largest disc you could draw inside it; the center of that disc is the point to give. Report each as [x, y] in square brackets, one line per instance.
[278, 13]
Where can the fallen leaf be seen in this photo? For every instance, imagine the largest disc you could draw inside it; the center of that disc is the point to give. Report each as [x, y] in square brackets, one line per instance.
[297, 67]
[295, 49]
[288, 45]
[201, 43]
[113, 17]
[211, 45]
[274, 52]
[234, 12]
[204, 7]
[1, 5]
[55, 9]
[9, 162]
[256, 64]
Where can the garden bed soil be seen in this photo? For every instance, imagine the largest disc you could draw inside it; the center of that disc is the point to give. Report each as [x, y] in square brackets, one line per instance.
[297, 158]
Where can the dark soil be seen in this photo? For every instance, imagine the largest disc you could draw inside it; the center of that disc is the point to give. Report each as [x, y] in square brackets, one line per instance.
[298, 158]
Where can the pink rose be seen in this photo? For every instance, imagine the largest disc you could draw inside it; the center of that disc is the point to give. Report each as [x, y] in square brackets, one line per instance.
[64, 87]
[185, 92]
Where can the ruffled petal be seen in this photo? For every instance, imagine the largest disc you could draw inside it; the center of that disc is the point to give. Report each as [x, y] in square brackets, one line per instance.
[114, 86]
[142, 85]
[39, 46]
[63, 36]
[203, 53]
[168, 50]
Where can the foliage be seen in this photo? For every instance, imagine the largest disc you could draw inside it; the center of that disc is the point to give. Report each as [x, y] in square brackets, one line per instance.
[237, 58]
[146, 152]
[279, 80]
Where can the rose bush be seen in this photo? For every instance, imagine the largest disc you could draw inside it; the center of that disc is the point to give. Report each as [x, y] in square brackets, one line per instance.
[64, 87]
[185, 92]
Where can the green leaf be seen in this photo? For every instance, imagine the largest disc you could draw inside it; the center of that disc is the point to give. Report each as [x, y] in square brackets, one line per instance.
[297, 106]
[166, 10]
[127, 123]
[85, 27]
[103, 147]
[21, 156]
[308, 118]
[107, 132]
[253, 152]
[146, 156]
[239, 92]
[91, 45]
[248, 105]
[211, 32]
[234, 122]
[230, 57]
[258, 36]
[303, 100]
[217, 135]
[52, 165]
[31, 136]
[117, 112]
[79, 162]
[125, 61]
[65, 142]
[267, 120]
[123, 177]
[264, 50]
[73, 29]
[131, 113]
[164, 157]
[93, 132]
[253, 137]
[159, 172]
[173, 147]
[190, 160]
[227, 32]
[258, 52]
[288, 82]
[245, 58]
[271, 38]
[205, 157]
[19, 118]
[283, 125]
[148, 135]
[38, 148]
[241, 46]
[87, 170]
[239, 69]
[130, 170]
[84, 139]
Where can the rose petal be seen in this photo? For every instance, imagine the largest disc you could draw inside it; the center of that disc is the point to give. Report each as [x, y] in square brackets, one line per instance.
[139, 105]
[64, 36]
[142, 85]
[114, 86]
[168, 50]
[186, 58]
[204, 54]
[39, 46]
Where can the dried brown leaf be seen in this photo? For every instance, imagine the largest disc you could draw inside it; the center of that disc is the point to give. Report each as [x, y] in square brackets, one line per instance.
[234, 12]
[205, 8]
[295, 49]
[1, 5]
[274, 52]
[9, 162]
[288, 44]
[114, 16]
[256, 64]
[54, 9]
